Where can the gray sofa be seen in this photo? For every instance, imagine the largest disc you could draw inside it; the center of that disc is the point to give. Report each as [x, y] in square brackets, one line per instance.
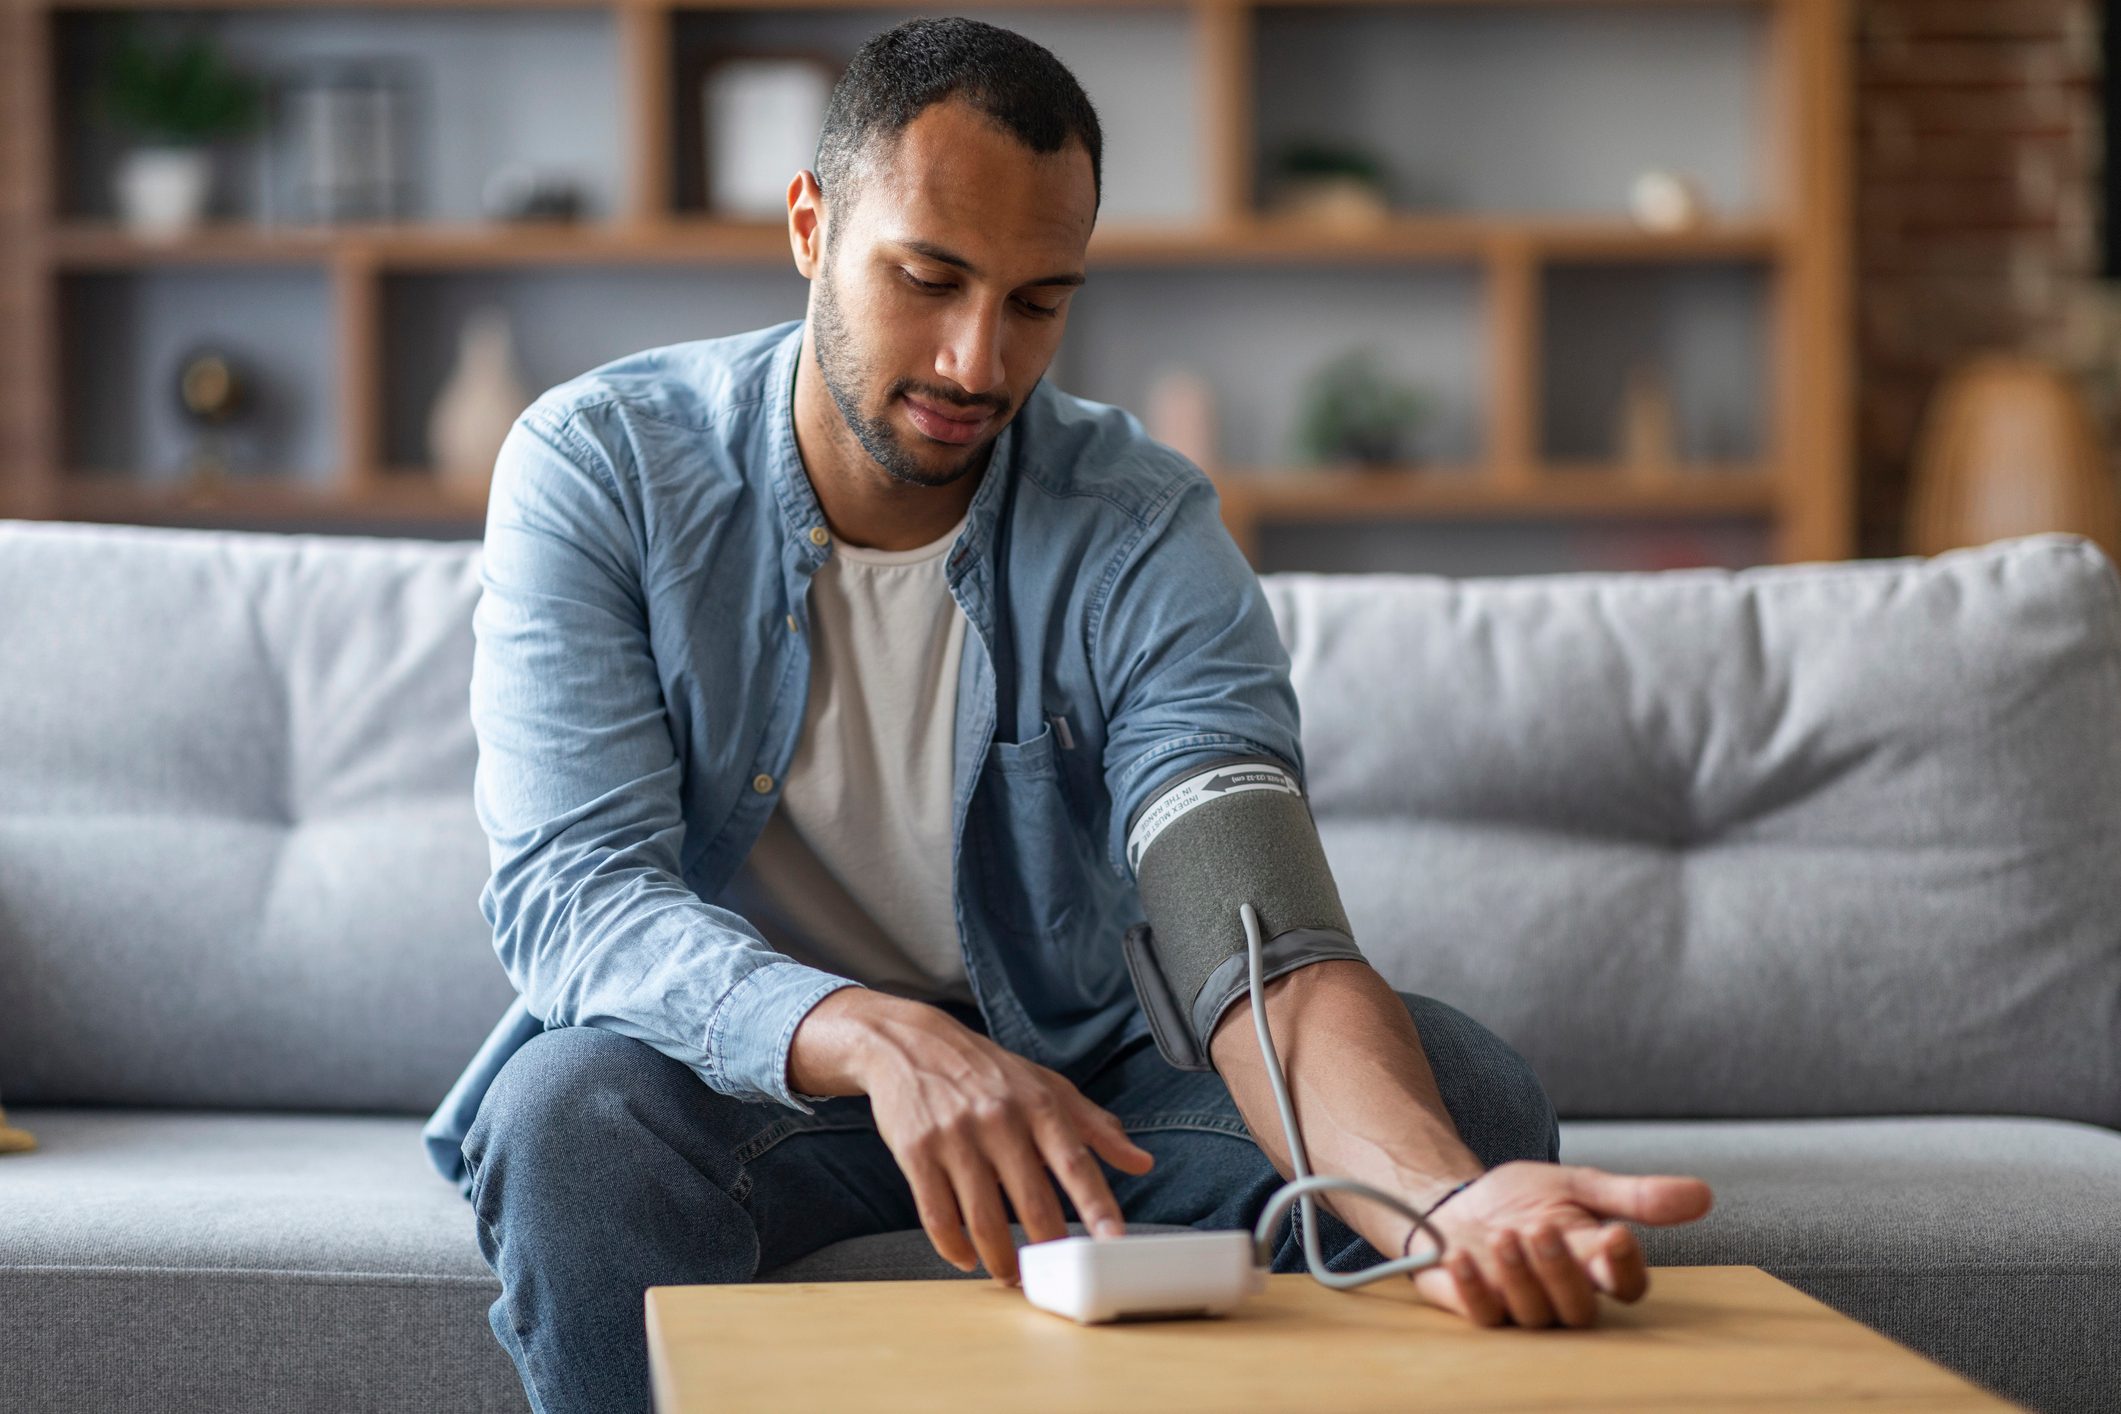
[1806, 880]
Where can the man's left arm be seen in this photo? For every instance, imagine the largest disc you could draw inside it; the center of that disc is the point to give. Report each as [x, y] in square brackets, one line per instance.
[1369, 1109]
[1367, 1102]
[1193, 669]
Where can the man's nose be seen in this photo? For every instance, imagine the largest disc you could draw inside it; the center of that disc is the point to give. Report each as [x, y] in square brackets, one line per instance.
[972, 356]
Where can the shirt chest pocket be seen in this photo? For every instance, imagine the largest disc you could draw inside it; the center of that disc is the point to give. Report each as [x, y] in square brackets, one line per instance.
[1033, 853]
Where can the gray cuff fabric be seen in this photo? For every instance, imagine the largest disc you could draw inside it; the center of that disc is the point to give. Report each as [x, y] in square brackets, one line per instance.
[1232, 833]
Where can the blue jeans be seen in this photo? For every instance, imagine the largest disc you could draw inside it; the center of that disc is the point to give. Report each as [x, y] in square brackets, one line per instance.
[600, 1167]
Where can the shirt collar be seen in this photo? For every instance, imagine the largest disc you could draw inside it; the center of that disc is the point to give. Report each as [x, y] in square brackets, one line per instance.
[800, 512]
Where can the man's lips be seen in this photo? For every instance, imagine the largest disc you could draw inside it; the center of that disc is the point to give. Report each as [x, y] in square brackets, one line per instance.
[945, 425]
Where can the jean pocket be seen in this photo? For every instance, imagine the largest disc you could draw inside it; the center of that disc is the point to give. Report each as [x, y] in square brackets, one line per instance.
[842, 1113]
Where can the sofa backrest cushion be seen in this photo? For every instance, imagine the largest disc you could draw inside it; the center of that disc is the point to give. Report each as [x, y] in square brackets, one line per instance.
[1798, 840]
[238, 860]
[1832, 839]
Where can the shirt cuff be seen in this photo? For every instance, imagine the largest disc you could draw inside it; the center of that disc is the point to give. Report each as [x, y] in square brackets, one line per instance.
[753, 1027]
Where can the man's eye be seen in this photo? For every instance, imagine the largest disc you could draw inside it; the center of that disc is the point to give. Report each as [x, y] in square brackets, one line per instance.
[1042, 311]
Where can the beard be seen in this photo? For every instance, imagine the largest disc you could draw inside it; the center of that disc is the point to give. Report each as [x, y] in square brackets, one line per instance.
[846, 373]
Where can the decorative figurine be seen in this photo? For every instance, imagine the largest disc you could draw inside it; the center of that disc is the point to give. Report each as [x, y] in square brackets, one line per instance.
[1649, 441]
[1667, 201]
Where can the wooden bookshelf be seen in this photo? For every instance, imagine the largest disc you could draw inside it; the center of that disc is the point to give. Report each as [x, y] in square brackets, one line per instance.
[81, 245]
[1798, 485]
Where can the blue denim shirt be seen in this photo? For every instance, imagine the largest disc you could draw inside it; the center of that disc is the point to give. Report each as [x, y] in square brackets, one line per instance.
[642, 663]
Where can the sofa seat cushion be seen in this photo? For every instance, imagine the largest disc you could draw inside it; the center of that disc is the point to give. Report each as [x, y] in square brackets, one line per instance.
[237, 1261]
[213, 1259]
[144, 1254]
[261, 1192]
[1987, 1243]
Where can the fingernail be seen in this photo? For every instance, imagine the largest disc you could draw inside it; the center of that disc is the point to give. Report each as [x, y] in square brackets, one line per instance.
[1513, 1254]
[1109, 1228]
[1549, 1245]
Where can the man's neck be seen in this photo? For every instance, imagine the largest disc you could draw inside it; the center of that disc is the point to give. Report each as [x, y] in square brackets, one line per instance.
[865, 505]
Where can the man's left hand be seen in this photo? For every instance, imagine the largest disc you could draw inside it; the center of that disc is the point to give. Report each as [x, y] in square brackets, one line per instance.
[1535, 1243]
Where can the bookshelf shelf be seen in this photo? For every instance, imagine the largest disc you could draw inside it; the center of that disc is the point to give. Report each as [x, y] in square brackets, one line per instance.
[263, 497]
[90, 245]
[1510, 268]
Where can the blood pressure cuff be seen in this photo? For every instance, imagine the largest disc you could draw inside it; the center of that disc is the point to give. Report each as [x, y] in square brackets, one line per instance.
[1238, 831]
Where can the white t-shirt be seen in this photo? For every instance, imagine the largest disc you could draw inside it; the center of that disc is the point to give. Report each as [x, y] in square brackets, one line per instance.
[852, 871]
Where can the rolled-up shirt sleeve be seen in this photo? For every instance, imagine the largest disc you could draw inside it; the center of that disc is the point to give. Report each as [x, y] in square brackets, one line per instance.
[1191, 667]
[577, 788]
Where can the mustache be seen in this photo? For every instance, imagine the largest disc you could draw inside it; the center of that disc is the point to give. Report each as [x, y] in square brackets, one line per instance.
[950, 404]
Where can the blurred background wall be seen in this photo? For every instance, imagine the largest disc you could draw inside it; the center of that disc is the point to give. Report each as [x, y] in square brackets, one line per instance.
[1979, 172]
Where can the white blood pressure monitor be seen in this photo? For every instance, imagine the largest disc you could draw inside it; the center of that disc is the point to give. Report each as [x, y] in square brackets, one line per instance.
[1155, 1274]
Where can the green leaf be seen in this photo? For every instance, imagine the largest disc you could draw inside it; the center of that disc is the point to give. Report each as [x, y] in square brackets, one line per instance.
[180, 92]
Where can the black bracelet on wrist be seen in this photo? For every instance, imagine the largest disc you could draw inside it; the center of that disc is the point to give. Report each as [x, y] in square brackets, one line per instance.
[1406, 1248]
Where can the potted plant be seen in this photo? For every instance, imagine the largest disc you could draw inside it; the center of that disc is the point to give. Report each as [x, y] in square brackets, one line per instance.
[174, 100]
[1334, 183]
[1353, 413]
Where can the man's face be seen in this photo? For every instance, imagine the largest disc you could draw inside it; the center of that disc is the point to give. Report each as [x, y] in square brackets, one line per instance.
[943, 293]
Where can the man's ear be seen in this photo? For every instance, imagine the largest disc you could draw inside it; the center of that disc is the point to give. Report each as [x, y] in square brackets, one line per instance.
[806, 223]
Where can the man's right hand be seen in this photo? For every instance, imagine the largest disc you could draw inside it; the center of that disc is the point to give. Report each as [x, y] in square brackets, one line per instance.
[966, 1120]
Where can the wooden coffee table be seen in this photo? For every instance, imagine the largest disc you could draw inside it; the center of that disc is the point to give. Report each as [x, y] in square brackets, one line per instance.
[1701, 1338]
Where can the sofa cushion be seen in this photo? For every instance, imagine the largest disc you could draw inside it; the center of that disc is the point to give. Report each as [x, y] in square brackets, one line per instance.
[235, 804]
[1795, 840]
[145, 1253]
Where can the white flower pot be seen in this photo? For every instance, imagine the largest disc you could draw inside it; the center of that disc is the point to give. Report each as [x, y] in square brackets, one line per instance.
[162, 191]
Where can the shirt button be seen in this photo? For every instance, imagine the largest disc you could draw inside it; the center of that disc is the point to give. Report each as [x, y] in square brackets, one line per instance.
[762, 783]
[817, 535]
[791, 623]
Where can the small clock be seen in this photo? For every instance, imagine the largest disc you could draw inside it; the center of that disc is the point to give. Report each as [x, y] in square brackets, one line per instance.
[215, 393]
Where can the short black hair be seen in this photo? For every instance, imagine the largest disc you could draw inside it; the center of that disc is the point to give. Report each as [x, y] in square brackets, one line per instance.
[899, 74]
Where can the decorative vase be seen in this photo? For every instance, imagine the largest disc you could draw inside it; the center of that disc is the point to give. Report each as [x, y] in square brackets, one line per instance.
[1648, 441]
[477, 405]
[2008, 447]
[1181, 415]
[162, 191]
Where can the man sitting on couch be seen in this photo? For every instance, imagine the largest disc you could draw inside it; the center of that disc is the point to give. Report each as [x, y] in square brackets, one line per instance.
[821, 674]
